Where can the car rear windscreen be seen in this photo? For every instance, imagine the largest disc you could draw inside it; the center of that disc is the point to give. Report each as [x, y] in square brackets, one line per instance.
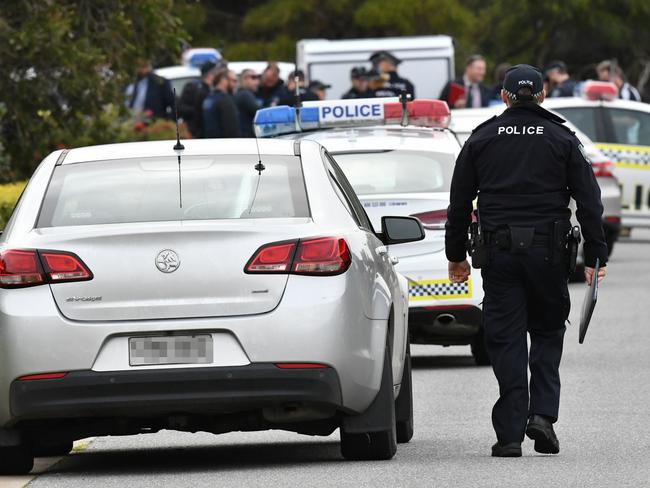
[397, 171]
[148, 190]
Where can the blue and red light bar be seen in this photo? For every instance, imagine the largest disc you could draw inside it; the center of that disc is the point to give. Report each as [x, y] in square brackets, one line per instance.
[599, 90]
[280, 120]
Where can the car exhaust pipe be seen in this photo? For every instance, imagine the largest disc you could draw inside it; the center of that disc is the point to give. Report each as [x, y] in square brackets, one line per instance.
[445, 319]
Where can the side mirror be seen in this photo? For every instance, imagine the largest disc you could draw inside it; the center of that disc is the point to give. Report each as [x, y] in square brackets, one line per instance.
[398, 230]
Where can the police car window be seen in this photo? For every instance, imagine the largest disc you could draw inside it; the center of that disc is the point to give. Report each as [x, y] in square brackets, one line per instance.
[630, 126]
[584, 118]
[146, 190]
[397, 171]
[350, 194]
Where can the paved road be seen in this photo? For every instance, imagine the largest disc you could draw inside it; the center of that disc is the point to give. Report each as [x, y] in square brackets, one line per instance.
[604, 427]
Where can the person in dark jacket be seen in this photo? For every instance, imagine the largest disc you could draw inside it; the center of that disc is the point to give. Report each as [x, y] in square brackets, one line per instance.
[220, 115]
[386, 64]
[524, 166]
[190, 104]
[271, 86]
[246, 102]
[287, 94]
[560, 82]
[471, 91]
[359, 89]
[151, 93]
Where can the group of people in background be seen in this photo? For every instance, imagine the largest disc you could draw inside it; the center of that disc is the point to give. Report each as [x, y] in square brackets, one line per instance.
[223, 103]
[469, 91]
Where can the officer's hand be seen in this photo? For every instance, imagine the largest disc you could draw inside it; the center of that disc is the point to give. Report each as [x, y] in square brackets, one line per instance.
[589, 275]
[459, 272]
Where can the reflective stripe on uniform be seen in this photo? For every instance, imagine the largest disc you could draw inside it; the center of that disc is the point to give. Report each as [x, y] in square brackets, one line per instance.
[426, 290]
[627, 156]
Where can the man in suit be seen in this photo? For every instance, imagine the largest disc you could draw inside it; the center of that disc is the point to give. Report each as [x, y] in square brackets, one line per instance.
[476, 95]
[151, 93]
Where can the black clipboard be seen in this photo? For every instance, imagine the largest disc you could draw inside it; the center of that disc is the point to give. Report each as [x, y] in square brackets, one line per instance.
[591, 297]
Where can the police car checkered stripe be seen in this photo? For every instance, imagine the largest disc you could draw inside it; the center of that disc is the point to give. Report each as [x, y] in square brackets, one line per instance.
[638, 156]
[424, 290]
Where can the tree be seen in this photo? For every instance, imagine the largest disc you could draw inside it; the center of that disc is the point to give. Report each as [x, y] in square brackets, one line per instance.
[68, 60]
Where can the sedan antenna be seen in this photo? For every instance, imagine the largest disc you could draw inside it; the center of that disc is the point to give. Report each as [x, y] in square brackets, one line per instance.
[298, 101]
[178, 147]
[403, 98]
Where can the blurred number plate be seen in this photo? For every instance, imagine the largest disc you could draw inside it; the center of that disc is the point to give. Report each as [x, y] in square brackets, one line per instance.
[145, 351]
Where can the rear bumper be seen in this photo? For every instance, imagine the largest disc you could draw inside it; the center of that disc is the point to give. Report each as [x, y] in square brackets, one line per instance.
[446, 326]
[156, 393]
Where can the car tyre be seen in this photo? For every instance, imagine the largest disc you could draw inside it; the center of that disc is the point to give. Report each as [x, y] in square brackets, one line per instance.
[42, 449]
[404, 402]
[377, 445]
[479, 349]
[16, 460]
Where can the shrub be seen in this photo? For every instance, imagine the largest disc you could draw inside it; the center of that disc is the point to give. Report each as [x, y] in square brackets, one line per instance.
[9, 194]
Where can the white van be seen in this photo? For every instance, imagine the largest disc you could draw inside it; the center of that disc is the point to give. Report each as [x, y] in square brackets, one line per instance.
[427, 61]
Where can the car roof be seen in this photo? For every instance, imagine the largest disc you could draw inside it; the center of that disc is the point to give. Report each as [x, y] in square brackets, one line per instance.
[562, 102]
[193, 147]
[345, 139]
[466, 120]
[181, 71]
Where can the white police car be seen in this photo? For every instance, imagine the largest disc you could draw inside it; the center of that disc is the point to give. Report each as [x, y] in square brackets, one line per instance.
[399, 163]
[621, 130]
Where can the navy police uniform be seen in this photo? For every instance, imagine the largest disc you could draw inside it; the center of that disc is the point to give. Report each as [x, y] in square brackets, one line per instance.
[524, 166]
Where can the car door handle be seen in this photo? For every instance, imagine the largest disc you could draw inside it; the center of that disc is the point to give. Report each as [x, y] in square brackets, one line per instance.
[394, 260]
[381, 250]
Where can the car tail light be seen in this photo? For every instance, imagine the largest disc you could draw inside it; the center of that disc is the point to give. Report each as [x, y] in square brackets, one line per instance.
[272, 258]
[603, 169]
[22, 268]
[613, 219]
[434, 220]
[301, 366]
[324, 256]
[42, 376]
[61, 266]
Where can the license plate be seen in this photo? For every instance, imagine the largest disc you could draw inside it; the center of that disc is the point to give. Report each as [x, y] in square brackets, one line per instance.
[146, 351]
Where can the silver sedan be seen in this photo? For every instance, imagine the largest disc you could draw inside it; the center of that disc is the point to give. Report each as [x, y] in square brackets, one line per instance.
[211, 289]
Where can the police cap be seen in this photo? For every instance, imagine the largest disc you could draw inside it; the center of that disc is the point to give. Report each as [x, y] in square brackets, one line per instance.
[358, 72]
[523, 76]
[318, 85]
[378, 56]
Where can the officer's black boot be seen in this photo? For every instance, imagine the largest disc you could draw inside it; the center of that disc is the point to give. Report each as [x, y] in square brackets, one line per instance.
[512, 449]
[540, 429]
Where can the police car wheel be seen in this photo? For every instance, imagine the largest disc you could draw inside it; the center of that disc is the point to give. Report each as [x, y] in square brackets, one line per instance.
[404, 403]
[479, 350]
[377, 445]
[16, 460]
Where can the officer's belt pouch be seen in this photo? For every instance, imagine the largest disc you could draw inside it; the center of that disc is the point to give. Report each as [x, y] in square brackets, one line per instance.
[521, 238]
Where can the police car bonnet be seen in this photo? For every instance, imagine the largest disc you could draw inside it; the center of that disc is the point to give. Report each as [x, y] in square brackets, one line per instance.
[523, 76]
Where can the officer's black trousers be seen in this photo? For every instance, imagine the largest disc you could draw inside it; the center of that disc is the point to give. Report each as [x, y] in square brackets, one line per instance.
[524, 293]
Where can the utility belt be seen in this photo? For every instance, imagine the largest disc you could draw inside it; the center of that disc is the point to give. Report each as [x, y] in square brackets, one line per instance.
[560, 238]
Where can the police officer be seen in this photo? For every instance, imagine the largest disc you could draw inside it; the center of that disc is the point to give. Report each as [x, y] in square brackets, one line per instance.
[524, 165]
[561, 83]
[359, 80]
[385, 63]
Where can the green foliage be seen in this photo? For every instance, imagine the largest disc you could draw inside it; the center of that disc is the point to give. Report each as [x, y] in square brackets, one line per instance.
[9, 194]
[68, 59]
